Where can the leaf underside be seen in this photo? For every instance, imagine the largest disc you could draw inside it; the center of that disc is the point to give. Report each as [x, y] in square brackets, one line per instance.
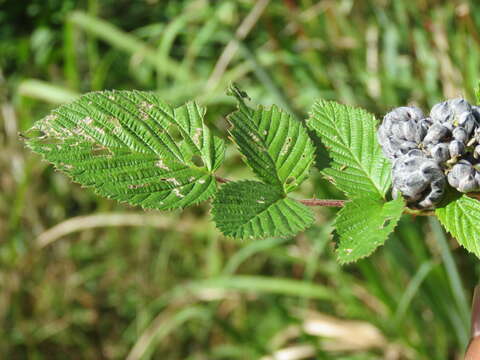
[251, 209]
[358, 167]
[461, 218]
[275, 145]
[363, 225]
[132, 147]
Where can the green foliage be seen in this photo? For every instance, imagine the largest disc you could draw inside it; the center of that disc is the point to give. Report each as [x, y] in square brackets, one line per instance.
[139, 267]
[251, 209]
[363, 225]
[132, 147]
[358, 167]
[275, 145]
[461, 217]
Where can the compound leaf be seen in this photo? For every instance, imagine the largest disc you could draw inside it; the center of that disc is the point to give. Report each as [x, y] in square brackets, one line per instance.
[461, 218]
[275, 145]
[358, 167]
[251, 209]
[363, 225]
[132, 147]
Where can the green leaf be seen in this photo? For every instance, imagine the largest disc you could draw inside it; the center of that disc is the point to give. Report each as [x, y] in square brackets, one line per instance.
[358, 167]
[132, 147]
[461, 218]
[363, 225]
[251, 209]
[275, 145]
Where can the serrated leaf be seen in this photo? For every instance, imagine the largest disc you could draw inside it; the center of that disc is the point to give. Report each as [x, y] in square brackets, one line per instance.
[358, 167]
[251, 209]
[461, 218]
[133, 147]
[363, 224]
[275, 145]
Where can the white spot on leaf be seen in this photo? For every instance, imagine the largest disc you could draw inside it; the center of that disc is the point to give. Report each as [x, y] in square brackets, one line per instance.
[51, 117]
[160, 164]
[88, 120]
[254, 137]
[146, 105]
[144, 115]
[196, 136]
[261, 200]
[173, 181]
[137, 186]
[100, 130]
[285, 149]
[178, 193]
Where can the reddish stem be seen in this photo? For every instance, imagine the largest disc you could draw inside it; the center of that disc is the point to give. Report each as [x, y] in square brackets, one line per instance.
[221, 180]
[323, 202]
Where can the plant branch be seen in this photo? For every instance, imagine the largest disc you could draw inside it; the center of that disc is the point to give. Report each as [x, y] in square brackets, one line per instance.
[323, 202]
[221, 180]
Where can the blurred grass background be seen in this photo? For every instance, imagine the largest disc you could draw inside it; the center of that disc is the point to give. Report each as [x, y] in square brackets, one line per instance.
[86, 278]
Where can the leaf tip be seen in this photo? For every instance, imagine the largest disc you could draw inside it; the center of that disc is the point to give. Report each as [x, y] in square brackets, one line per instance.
[235, 91]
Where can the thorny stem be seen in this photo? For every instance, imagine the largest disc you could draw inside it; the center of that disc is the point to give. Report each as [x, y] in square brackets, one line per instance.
[339, 203]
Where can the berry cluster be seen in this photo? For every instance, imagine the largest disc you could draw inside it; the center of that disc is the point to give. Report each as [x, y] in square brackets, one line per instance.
[430, 151]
